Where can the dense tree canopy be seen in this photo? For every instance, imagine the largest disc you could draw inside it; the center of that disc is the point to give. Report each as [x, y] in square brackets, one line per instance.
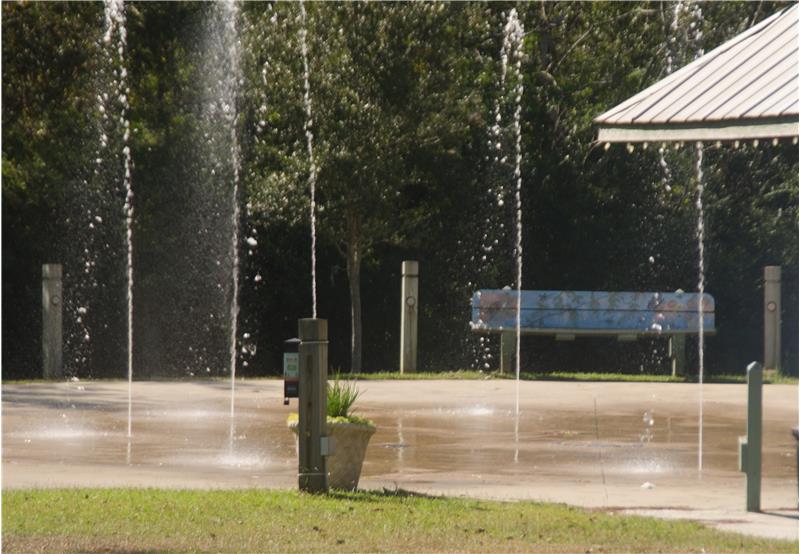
[403, 97]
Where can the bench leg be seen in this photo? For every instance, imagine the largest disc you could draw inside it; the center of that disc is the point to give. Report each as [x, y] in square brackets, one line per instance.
[677, 354]
[508, 345]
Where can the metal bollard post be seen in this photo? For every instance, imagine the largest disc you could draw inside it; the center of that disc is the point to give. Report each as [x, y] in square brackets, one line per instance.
[408, 316]
[750, 445]
[52, 335]
[312, 424]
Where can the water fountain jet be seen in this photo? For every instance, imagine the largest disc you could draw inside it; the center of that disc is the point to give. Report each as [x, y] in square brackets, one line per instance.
[312, 175]
[115, 42]
[511, 56]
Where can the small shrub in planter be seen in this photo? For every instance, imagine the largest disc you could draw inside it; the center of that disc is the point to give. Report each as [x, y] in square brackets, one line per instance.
[351, 435]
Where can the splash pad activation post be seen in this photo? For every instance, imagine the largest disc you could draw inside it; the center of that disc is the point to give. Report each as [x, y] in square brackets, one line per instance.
[313, 406]
[750, 445]
[52, 334]
[772, 317]
[408, 316]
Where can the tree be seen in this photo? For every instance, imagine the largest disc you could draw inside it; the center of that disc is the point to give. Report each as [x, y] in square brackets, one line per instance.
[393, 99]
[403, 97]
[48, 68]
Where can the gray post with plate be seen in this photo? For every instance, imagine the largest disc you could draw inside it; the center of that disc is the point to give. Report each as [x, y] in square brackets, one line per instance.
[750, 445]
[52, 334]
[677, 354]
[408, 316]
[772, 317]
[313, 400]
[508, 348]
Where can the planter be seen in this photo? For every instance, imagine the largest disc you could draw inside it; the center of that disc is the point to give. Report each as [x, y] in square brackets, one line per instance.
[350, 447]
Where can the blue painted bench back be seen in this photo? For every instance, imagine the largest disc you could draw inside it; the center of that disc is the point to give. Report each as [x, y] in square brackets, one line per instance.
[592, 313]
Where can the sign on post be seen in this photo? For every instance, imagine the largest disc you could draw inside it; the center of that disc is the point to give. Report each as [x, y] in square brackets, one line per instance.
[291, 369]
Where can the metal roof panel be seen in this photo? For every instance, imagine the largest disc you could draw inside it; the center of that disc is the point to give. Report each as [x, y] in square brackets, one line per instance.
[752, 76]
[772, 105]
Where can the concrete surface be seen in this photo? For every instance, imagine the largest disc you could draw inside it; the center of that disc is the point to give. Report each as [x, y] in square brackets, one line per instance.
[630, 446]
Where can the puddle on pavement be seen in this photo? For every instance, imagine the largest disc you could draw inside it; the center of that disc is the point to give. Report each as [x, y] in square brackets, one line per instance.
[188, 426]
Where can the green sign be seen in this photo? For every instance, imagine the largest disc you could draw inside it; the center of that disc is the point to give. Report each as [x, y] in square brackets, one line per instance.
[291, 365]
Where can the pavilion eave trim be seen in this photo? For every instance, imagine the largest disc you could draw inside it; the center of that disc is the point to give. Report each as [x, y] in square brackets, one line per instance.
[703, 131]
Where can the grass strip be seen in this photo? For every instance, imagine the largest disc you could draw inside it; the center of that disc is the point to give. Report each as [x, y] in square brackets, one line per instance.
[471, 375]
[62, 520]
[561, 376]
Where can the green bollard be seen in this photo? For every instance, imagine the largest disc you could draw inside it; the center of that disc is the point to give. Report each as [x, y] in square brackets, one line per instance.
[750, 445]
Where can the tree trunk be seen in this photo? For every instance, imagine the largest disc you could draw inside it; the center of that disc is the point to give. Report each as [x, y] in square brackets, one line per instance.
[354, 279]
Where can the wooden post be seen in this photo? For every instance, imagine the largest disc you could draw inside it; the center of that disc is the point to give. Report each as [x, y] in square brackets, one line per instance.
[677, 354]
[772, 317]
[313, 405]
[750, 445]
[52, 307]
[408, 316]
[508, 347]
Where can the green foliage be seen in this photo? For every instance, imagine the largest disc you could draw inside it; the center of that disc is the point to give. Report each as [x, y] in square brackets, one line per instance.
[49, 62]
[403, 97]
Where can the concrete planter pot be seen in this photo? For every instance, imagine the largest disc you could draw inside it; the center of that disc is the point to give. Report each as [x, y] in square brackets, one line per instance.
[350, 447]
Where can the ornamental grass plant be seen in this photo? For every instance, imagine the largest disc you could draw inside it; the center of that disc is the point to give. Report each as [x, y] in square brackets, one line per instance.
[342, 395]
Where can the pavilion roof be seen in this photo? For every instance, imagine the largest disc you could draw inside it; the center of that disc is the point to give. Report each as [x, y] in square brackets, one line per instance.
[747, 88]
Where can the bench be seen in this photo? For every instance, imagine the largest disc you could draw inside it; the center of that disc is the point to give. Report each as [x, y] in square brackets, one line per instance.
[567, 314]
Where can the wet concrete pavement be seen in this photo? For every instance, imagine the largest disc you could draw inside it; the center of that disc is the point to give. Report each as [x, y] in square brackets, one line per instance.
[620, 445]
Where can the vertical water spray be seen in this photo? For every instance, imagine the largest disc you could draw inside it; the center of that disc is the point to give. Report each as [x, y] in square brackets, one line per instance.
[512, 57]
[518, 192]
[693, 35]
[218, 193]
[312, 175]
[701, 287]
[666, 173]
[511, 60]
[229, 92]
[684, 46]
[116, 42]
[490, 253]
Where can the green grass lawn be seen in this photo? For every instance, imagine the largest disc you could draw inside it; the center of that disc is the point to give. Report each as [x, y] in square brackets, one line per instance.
[468, 375]
[525, 376]
[561, 376]
[147, 520]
